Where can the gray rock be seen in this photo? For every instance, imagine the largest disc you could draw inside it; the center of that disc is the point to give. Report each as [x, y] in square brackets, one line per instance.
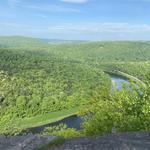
[126, 141]
[23, 142]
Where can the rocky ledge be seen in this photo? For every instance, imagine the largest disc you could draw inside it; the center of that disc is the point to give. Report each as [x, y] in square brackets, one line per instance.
[126, 141]
[29, 142]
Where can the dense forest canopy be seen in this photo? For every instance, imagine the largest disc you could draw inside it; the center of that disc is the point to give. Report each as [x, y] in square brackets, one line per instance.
[39, 78]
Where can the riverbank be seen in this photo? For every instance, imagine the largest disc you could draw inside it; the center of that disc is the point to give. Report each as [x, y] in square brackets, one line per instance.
[37, 121]
[125, 76]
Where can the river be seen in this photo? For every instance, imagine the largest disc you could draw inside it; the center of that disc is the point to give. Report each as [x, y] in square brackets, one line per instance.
[75, 121]
[118, 82]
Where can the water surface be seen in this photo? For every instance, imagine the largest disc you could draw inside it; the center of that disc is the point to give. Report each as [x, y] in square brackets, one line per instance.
[118, 82]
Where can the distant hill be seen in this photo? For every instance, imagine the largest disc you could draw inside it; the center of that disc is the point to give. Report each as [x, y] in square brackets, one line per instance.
[7, 41]
[62, 41]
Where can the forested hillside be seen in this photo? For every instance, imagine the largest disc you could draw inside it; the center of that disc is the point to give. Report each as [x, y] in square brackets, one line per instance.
[39, 78]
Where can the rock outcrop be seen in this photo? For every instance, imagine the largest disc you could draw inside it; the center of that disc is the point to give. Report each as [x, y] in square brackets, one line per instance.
[127, 141]
[28, 142]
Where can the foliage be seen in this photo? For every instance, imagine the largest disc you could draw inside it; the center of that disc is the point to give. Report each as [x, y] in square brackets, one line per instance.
[35, 83]
[37, 78]
[126, 110]
[62, 131]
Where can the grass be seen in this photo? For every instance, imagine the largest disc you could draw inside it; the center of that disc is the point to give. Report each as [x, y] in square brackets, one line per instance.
[45, 119]
[56, 142]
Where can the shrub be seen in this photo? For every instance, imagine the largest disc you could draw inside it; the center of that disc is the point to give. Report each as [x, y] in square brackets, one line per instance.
[61, 131]
[125, 110]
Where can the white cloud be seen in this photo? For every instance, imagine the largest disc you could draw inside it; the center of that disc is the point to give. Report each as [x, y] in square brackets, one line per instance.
[42, 7]
[101, 28]
[92, 31]
[100, 31]
[75, 1]
[52, 8]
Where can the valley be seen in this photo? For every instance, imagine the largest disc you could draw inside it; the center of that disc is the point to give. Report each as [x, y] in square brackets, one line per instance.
[43, 83]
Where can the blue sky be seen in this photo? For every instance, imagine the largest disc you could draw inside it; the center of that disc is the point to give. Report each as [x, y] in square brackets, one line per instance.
[76, 19]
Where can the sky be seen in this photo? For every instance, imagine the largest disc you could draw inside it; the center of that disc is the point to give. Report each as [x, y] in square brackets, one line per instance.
[76, 19]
